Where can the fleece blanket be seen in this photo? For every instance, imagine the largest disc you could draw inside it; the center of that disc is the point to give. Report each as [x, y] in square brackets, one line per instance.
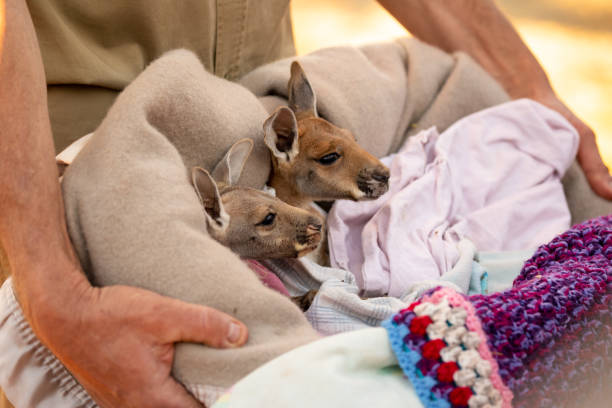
[134, 218]
[544, 342]
[384, 92]
[494, 177]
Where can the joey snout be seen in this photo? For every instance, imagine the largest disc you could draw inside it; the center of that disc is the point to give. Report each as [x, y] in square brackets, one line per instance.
[313, 229]
[308, 236]
[373, 181]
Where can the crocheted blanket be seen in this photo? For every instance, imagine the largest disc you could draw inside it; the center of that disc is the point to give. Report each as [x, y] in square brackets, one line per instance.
[538, 344]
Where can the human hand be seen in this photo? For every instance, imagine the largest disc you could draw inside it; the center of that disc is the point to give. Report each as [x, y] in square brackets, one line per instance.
[588, 156]
[118, 341]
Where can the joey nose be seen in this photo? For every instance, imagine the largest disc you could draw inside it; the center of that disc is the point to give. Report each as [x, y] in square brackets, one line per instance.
[381, 175]
[314, 224]
[314, 228]
[374, 181]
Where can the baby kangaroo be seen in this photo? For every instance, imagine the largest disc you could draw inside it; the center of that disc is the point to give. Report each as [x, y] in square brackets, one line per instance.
[250, 222]
[314, 160]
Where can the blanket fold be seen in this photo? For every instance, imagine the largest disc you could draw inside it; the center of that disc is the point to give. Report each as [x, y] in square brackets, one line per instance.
[384, 92]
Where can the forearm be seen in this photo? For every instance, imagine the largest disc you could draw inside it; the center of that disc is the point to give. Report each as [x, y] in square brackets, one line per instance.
[478, 28]
[33, 234]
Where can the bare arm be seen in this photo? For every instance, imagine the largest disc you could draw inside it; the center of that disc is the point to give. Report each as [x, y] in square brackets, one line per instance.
[78, 322]
[479, 28]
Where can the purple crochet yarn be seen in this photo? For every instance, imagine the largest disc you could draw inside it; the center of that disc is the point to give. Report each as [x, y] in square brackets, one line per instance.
[552, 332]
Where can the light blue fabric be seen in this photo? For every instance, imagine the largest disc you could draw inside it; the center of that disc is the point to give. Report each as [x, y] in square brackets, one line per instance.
[462, 271]
[469, 275]
[502, 267]
[479, 282]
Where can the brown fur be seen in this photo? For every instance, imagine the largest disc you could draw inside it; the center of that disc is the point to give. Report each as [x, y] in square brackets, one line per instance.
[250, 222]
[312, 159]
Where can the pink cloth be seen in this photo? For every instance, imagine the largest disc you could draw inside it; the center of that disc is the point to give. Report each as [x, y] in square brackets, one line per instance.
[493, 178]
[267, 277]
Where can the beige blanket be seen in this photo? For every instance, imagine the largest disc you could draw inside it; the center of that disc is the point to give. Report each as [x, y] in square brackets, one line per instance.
[384, 92]
[135, 219]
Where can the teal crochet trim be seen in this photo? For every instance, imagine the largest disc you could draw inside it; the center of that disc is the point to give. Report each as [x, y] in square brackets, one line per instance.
[408, 360]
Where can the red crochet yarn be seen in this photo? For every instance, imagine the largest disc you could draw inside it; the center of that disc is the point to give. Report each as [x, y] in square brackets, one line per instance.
[460, 396]
[418, 325]
[446, 371]
[431, 349]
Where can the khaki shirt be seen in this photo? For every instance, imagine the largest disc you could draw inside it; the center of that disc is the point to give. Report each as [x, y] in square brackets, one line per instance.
[92, 49]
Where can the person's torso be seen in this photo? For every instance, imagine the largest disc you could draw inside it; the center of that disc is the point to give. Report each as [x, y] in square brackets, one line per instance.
[92, 49]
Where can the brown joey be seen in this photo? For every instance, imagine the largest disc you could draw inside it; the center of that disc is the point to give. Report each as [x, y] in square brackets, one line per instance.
[313, 160]
[250, 222]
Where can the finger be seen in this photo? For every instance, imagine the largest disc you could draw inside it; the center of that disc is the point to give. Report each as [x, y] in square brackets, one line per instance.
[592, 164]
[200, 324]
[601, 183]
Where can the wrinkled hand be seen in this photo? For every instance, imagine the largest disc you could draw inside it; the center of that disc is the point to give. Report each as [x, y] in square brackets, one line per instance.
[588, 156]
[119, 342]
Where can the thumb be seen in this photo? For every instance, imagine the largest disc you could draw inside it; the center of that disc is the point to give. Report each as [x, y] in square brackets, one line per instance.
[201, 324]
[601, 183]
[592, 164]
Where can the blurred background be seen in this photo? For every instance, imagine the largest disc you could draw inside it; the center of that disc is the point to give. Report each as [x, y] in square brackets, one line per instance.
[571, 38]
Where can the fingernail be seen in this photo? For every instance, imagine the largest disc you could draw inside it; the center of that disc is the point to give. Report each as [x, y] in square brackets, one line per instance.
[234, 332]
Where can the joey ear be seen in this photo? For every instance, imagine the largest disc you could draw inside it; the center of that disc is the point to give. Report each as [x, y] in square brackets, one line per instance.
[208, 193]
[281, 134]
[228, 170]
[302, 99]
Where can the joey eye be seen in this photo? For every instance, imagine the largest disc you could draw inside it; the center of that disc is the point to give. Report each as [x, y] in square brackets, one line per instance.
[329, 159]
[268, 219]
